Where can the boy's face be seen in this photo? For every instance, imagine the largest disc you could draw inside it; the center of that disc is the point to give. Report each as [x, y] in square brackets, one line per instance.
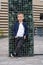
[20, 17]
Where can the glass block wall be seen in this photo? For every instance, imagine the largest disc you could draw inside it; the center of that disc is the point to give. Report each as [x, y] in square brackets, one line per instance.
[24, 6]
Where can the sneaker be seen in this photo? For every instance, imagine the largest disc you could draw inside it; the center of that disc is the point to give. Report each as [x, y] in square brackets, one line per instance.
[14, 53]
[11, 55]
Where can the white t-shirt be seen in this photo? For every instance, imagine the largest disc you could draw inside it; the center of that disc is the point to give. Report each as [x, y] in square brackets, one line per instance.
[20, 32]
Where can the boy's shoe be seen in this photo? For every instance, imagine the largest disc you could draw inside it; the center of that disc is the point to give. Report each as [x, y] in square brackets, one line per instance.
[11, 55]
[14, 54]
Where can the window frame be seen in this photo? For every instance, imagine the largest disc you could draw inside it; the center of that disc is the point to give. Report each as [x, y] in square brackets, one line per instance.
[41, 14]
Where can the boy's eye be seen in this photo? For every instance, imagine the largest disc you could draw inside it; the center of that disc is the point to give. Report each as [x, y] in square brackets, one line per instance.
[19, 16]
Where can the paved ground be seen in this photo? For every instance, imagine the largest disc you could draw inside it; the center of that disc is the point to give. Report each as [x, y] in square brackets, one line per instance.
[38, 45]
[35, 60]
[4, 46]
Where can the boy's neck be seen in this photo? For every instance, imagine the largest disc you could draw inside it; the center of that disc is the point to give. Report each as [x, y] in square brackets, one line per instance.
[20, 21]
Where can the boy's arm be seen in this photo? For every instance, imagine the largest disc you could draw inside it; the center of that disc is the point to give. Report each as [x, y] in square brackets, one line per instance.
[14, 29]
[26, 31]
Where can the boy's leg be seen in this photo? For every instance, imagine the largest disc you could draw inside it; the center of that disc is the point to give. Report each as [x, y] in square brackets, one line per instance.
[19, 44]
[16, 41]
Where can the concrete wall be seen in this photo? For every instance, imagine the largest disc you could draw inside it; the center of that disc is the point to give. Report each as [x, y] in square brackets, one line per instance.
[37, 9]
[4, 17]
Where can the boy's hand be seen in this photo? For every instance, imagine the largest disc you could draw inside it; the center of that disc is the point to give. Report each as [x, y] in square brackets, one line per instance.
[15, 37]
[24, 37]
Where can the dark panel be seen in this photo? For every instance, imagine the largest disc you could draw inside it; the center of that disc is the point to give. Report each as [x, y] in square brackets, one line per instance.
[24, 6]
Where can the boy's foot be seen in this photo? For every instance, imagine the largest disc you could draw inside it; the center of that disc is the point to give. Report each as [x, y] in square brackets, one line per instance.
[14, 54]
[11, 55]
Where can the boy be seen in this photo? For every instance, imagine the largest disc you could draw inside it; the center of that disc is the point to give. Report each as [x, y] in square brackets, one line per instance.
[20, 32]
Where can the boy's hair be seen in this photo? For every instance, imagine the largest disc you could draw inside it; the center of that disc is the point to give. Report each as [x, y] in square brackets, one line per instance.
[20, 13]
